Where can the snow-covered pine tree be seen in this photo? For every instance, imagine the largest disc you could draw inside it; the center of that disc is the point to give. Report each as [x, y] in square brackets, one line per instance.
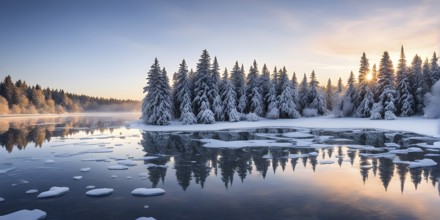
[242, 100]
[435, 69]
[229, 98]
[385, 107]
[215, 100]
[273, 111]
[401, 75]
[225, 78]
[329, 94]
[175, 106]
[337, 99]
[427, 73]
[182, 93]
[265, 86]
[287, 107]
[295, 88]
[315, 98]
[254, 100]
[374, 82]
[366, 105]
[406, 100]
[181, 82]
[237, 78]
[349, 97]
[364, 70]
[201, 90]
[192, 81]
[419, 86]
[276, 81]
[302, 94]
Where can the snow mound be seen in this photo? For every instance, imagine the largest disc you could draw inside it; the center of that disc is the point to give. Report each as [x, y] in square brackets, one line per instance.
[148, 192]
[326, 162]
[118, 167]
[53, 192]
[84, 170]
[99, 192]
[31, 191]
[25, 214]
[212, 143]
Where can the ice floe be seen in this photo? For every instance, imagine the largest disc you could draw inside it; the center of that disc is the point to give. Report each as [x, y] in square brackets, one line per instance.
[118, 167]
[365, 147]
[77, 177]
[298, 135]
[295, 156]
[145, 218]
[99, 192]
[316, 146]
[90, 187]
[432, 155]
[91, 151]
[418, 163]
[31, 191]
[392, 145]
[326, 162]
[313, 154]
[84, 170]
[212, 143]
[7, 170]
[380, 155]
[129, 163]
[145, 158]
[25, 214]
[53, 192]
[406, 151]
[368, 166]
[49, 161]
[148, 192]
[97, 159]
[2, 199]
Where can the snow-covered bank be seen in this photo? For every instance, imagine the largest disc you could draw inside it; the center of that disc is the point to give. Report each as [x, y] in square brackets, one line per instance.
[419, 125]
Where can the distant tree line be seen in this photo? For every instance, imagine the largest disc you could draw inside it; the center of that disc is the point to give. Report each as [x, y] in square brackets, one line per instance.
[19, 98]
[205, 97]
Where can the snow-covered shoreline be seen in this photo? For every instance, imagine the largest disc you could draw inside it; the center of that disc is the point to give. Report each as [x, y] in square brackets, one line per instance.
[419, 125]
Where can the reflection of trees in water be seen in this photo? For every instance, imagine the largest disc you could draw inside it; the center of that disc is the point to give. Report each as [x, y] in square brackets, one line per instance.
[194, 163]
[20, 133]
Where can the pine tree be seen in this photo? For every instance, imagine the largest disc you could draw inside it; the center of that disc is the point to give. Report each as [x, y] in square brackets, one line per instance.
[287, 107]
[337, 99]
[374, 82]
[229, 98]
[366, 105]
[401, 75]
[201, 89]
[156, 106]
[302, 94]
[427, 74]
[237, 78]
[276, 81]
[242, 99]
[419, 86]
[181, 82]
[315, 98]
[329, 94]
[385, 107]
[347, 105]
[295, 90]
[265, 86]
[254, 100]
[406, 101]
[214, 92]
[364, 70]
[273, 111]
[435, 69]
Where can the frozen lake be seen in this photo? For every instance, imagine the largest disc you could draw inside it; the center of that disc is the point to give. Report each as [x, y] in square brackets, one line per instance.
[106, 170]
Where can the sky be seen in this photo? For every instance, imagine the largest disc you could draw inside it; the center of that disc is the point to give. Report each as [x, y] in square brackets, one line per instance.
[105, 47]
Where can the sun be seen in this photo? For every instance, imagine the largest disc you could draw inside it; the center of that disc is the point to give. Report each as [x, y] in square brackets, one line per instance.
[369, 77]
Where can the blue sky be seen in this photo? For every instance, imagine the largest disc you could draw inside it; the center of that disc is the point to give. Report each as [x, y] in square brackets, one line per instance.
[105, 48]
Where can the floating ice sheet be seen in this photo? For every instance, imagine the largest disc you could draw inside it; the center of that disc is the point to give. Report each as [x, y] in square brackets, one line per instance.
[118, 167]
[25, 214]
[53, 192]
[148, 192]
[212, 143]
[99, 192]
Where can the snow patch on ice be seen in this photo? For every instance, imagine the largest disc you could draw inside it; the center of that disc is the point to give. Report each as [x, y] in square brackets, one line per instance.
[31, 191]
[25, 214]
[53, 192]
[212, 143]
[99, 192]
[148, 192]
[118, 167]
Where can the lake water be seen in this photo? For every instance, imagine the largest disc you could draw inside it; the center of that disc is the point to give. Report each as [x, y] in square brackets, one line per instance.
[264, 173]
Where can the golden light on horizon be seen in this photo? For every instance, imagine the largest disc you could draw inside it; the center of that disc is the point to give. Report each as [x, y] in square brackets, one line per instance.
[369, 77]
